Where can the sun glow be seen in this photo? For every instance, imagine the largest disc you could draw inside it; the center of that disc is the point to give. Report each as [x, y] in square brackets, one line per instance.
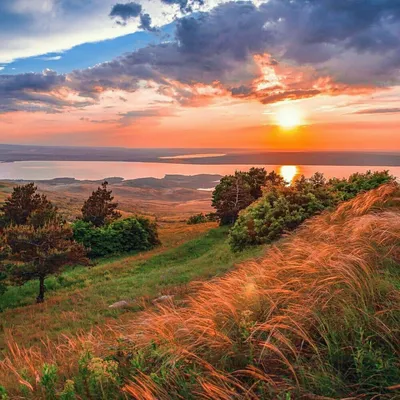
[288, 172]
[289, 117]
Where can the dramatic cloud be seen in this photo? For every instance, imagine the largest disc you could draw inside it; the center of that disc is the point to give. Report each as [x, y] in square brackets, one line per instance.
[326, 34]
[279, 50]
[124, 12]
[31, 28]
[35, 93]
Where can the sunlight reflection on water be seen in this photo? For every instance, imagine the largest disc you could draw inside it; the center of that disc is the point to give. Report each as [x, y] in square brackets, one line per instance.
[289, 172]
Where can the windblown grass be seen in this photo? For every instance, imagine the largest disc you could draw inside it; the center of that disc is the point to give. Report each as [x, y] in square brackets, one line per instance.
[317, 317]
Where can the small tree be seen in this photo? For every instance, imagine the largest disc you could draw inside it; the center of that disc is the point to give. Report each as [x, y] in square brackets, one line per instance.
[256, 178]
[99, 207]
[274, 179]
[236, 192]
[36, 252]
[26, 206]
[231, 195]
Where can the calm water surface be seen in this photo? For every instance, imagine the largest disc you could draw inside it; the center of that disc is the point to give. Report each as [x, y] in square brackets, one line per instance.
[96, 170]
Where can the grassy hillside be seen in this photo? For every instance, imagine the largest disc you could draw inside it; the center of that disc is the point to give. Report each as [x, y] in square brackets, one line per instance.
[79, 299]
[317, 317]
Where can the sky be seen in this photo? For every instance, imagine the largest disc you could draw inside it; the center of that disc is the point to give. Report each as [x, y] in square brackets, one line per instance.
[271, 74]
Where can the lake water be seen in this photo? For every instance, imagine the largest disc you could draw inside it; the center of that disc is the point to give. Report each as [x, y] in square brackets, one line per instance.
[96, 170]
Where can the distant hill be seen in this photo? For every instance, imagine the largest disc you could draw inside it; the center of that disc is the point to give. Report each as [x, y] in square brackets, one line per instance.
[201, 181]
[170, 181]
[11, 153]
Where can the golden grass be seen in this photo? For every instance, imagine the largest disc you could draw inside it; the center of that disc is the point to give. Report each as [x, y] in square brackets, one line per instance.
[257, 332]
[271, 311]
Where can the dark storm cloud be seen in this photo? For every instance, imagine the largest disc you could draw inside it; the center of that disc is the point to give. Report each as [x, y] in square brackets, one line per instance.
[125, 11]
[355, 42]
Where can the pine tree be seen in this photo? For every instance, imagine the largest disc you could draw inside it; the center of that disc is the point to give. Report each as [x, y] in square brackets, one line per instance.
[26, 206]
[231, 195]
[99, 208]
[34, 253]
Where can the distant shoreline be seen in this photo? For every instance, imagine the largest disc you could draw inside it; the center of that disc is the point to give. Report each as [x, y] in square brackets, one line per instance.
[21, 153]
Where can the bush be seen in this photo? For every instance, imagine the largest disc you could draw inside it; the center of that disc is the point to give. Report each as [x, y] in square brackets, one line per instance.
[358, 182]
[280, 209]
[238, 191]
[285, 208]
[197, 219]
[202, 218]
[122, 236]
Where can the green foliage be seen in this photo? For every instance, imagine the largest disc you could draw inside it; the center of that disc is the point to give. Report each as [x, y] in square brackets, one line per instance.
[238, 191]
[3, 287]
[97, 378]
[197, 219]
[48, 381]
[202, 218]
[230, 196]
[68, 392]
[284, 208]
[122, 236]
[99, 208]
[36, 252]
[27, 207]
[3, 393]
[358, 182]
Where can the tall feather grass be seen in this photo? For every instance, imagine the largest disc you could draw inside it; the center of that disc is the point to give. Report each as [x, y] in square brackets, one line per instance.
[274, 326]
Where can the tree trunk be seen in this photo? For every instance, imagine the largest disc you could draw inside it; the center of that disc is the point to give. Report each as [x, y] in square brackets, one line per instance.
[40, 298]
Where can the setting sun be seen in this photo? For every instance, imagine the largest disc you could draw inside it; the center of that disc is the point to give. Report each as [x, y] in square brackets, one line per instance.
[288, 117]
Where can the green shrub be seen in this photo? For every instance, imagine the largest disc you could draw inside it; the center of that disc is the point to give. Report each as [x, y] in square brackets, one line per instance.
[197, 219]
[3, 393]
[122, 236]
[359, 182]
[68, 392]
[97, 378]
[280, 209]
[284, 208]
[48, 381]
[202, 218]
